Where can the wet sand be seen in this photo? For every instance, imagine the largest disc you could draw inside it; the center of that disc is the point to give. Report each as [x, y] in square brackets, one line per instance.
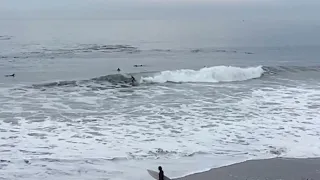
[269, 169]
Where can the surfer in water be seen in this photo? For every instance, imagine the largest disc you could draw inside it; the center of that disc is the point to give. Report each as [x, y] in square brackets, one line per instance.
[11, 75]
[161, 174]
[118, 70]
[138, 65]
[133, 80]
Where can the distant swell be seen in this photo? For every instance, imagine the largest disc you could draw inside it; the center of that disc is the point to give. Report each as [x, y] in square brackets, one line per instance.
[211, 74]
[82, 50]
[5, 38]
[107, 48]
[103, 82]
[290, 69]
[78, 50]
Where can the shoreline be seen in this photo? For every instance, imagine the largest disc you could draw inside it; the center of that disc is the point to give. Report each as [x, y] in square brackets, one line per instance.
[263, 169]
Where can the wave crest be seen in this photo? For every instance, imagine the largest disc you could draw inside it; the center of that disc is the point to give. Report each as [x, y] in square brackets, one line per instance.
[211, 74]
[5, 37]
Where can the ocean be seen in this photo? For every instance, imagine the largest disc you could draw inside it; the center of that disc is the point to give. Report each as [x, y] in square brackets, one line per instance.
[209, 94]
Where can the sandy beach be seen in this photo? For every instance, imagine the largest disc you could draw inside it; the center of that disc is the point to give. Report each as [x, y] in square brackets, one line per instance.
[270, 169]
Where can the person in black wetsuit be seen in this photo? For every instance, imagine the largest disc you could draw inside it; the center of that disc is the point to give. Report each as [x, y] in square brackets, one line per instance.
[12, 75]
[133, 80]
[161, 174]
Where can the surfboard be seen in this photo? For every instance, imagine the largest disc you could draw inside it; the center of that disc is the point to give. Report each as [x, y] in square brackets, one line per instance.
[155, 175]
[135, 83]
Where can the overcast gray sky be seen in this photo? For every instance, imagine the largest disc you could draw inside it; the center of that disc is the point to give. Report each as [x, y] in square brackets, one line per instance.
[161, 9]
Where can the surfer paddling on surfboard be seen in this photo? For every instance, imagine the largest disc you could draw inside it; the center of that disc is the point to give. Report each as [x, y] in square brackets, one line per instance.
[161, 174]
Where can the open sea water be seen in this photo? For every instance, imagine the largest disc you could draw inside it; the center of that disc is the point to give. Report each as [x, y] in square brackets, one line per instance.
[209, 94]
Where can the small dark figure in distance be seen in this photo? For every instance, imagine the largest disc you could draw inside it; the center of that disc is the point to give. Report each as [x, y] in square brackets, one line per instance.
[118, 70]
[161, 174]
[11, 75]
[133, 79]
[138, 65]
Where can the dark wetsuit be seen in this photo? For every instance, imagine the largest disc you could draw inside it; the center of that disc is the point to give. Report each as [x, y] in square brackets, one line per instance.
[161, 176]
[12, 75]
[133, 79]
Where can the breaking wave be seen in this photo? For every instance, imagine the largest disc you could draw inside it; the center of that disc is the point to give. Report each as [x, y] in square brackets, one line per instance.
[212, 74]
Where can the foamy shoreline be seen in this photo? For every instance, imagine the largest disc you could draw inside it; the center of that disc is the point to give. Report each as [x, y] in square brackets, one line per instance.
[271, 169]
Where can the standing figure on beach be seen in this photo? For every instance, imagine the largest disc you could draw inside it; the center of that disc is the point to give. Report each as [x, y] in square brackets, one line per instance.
[161, 174]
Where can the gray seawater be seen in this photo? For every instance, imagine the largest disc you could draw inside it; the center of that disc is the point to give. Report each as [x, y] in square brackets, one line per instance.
[68, 114]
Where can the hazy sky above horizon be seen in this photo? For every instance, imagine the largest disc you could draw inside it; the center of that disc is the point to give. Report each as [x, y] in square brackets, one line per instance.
[155, 9]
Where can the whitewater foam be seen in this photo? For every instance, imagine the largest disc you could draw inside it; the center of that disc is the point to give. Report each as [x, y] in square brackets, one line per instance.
[211, 74]
[185, 127]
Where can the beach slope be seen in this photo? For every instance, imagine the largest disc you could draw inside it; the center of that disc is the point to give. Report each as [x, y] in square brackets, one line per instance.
[269, 169]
